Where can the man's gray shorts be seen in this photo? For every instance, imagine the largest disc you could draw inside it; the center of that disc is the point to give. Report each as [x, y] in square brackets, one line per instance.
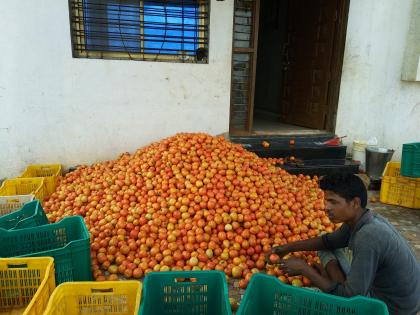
[342, 255]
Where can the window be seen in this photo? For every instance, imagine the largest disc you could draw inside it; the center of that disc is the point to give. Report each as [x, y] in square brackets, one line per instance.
[168, 30]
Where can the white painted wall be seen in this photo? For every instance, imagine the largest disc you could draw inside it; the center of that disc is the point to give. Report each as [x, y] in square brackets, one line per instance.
[374, 101]
[54, 108]
[411, 63]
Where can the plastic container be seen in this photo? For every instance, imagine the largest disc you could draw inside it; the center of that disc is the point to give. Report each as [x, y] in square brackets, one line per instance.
[23, 186]
[50, 173]
[376, 159]
[410, 160]
[99, 298]
[8, 204]
[66, 241]
[185, 293]
[359, 153]
[266, 295]
[30, 215]
[26, 285]
[399, 190]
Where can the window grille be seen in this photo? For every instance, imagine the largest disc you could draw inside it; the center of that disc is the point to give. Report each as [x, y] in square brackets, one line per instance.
[160, 30]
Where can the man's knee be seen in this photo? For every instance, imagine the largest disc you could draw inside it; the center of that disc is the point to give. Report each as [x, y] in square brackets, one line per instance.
[325, 256]
[334, 271]
[341, 255]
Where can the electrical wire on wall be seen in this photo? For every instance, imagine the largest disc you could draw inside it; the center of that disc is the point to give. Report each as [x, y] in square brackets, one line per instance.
[152, 30]
[119, 29]
[165, 12]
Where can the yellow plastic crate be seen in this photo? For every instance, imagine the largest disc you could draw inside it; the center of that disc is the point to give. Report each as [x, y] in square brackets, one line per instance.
[95, 298]
[50, 173]
[24, 186]
[10, 204]
[26, 285]
[399, 190]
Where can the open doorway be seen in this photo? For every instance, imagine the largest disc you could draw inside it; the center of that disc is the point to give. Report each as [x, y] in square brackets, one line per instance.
[294, 59]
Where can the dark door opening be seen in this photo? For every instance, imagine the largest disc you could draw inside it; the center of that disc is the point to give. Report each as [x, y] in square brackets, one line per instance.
[299, 46]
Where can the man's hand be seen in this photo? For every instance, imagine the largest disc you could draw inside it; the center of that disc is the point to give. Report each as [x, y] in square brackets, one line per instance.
[281, 251]
[321, 270]
[294, 266]
[317, 275]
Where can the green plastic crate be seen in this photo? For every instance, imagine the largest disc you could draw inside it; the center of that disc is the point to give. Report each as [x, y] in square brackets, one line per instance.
[9, 204]
[410, 160]
[185, 293]
[266, 295]
[66, 241]
[30, 215]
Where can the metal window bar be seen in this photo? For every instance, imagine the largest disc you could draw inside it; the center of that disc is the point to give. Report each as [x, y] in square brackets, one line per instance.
[161, 30]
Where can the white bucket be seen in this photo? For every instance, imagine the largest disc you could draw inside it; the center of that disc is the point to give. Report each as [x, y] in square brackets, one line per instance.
[359, 153]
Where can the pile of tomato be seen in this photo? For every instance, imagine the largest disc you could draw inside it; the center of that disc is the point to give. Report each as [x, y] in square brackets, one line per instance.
[190, 202]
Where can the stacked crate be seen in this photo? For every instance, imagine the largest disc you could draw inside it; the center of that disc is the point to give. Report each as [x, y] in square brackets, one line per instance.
[36, 182]
[36, 255]
[401, 181]
[49, 172]
[67, 241]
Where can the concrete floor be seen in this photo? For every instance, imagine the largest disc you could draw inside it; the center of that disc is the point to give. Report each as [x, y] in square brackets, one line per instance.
[406, 221]
[272, 126]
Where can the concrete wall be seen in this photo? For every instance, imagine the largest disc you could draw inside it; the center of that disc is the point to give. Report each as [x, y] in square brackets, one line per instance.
[411, 63]
[374, 101]
[54, 108]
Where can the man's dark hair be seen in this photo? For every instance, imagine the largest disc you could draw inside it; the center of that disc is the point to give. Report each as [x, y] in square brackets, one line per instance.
[347, 186]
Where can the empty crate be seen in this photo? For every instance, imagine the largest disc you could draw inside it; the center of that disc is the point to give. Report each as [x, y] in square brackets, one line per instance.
[99, 298]
[30, 215]
[67, 242]
[266, 295]
[185, 293]
[26, 285]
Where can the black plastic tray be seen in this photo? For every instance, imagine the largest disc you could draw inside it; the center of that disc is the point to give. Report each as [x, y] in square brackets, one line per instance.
[301, 152]
[281, 139]
[323, 167]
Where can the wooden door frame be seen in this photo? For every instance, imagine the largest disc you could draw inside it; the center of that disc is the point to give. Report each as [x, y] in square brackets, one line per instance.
[253, 74]
[337, 65]
[253, 51]
[335, 71]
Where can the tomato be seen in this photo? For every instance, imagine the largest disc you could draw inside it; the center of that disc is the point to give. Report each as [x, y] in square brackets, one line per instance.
[190, 202]
[274, 258]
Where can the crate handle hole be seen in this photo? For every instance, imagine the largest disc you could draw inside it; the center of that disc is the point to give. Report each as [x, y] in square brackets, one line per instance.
[185, 279]
[16, 266]
[12, 200]
[110, 290]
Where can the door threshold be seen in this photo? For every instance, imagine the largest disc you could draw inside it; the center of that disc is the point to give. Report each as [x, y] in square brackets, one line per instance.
[278, 138]
[290, 132]
[271, 126]
[280, 134]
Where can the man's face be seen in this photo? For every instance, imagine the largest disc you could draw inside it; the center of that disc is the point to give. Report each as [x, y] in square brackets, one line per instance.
[337, 208]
